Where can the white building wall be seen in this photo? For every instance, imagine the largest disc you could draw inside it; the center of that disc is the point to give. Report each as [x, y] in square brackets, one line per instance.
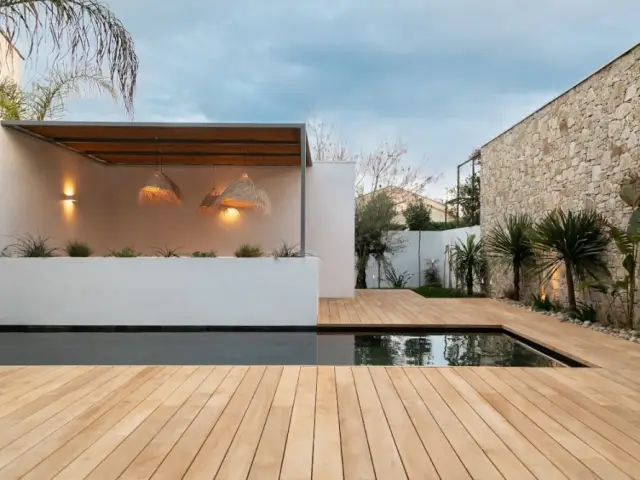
[10, 61]
[432, 247]
[35, 174]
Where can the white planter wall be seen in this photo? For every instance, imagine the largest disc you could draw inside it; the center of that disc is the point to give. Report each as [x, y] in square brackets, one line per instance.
[159, 291]
[432, 247]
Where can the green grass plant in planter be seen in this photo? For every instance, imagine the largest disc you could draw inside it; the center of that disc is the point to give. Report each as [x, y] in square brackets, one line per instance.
[433, 291]
[167, 252]
[246, 250]
[285, 251]
[29, 246]
[209, 254]
[78, 249]
[126, 252]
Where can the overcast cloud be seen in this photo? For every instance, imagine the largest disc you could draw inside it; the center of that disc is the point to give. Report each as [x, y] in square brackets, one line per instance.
[445, 76]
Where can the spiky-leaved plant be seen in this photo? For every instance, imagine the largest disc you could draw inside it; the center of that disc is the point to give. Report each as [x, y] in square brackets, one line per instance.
[575, 240]
[247, 250]
[509, 244]
[468, 261]
[285, 250]
[167, 252]
[627, 241]
[30, 246]
[78, 249]
[127, 252]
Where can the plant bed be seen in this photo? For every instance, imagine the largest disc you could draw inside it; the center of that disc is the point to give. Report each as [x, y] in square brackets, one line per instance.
[430, 291]
[626, 334]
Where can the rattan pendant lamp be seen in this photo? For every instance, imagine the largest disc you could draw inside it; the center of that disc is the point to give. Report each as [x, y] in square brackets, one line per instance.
[208, 202]
[243, 194]
[160, 189]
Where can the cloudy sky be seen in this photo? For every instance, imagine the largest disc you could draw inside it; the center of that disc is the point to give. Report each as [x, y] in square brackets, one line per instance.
[445, 76]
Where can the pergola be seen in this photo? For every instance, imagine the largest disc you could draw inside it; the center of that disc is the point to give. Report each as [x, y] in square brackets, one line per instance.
[196, 144]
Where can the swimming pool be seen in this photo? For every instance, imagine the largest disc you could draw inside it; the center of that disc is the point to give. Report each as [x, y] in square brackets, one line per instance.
[425, 347]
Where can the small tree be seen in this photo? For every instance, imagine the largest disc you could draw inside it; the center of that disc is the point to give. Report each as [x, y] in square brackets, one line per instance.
[468, 199]
[576, 241]
[418, 217]
[468, 261]
[374, 221]
[510, 244]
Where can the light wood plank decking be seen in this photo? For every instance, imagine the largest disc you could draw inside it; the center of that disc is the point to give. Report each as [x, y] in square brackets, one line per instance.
[299, 422]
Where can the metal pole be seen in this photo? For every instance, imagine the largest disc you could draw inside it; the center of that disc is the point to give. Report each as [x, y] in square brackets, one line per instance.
[303, 190]
[473, 181]
[458, 199]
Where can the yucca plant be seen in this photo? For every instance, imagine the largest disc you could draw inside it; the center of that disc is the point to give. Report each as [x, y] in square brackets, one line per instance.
[510, 244]
[167, 252]
[575, 240]
[468, 261]
[247, 250]
[78, 249]
[127, 252]
[208, 254]
[285, 250]
[30, 246]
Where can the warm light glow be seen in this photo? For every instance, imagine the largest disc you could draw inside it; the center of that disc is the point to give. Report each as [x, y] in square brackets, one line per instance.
[230, 215]
[68, 187]
[69, 209]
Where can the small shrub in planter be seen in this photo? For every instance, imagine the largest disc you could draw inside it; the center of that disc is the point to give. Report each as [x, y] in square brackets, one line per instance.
[541, 303]
[78, 249]
[126, 252]
[286, 251]
[584, 313]
[209, 254]
[29, 246]
[247, 250]
[167, 252]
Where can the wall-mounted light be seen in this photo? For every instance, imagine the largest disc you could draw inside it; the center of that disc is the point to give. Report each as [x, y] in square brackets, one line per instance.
[69, 198]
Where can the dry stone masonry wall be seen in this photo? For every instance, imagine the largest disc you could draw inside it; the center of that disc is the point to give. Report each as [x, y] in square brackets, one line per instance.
[572, 153]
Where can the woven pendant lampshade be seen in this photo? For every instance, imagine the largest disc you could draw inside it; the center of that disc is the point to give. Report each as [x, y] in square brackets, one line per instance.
[160, 189]
[208, 202]
[243, 194]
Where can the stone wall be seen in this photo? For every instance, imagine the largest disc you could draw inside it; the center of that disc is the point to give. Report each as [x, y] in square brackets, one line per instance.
[572, 153]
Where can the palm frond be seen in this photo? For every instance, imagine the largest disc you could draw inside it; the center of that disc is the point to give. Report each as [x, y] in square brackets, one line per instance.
[509, 242]
[573, 238]
[47, 99]
[86, 31]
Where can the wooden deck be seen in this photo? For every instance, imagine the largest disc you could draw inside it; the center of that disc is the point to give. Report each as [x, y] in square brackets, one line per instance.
[303, 422]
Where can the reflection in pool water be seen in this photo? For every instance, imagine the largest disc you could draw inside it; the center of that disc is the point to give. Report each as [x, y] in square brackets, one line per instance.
[265, 348]
[468, 349]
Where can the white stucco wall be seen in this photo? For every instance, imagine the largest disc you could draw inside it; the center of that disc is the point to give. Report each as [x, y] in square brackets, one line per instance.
[432, 247]
[33, 177]
[10, 61]
[34, 174]
[159, 291]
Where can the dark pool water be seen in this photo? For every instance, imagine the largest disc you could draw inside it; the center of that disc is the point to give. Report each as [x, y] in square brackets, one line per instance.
[266, 348]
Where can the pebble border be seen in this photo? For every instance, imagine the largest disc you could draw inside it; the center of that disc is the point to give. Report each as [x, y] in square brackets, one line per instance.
[630, 335]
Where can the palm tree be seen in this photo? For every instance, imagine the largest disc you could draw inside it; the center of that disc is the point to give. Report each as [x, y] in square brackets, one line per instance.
[45, 99]
[576, 240]
[468, 260]
[511, 246]
[85, 31]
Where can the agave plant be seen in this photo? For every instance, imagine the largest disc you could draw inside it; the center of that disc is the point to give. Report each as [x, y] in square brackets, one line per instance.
[510, 244]
[575, 240]
[468, 261]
